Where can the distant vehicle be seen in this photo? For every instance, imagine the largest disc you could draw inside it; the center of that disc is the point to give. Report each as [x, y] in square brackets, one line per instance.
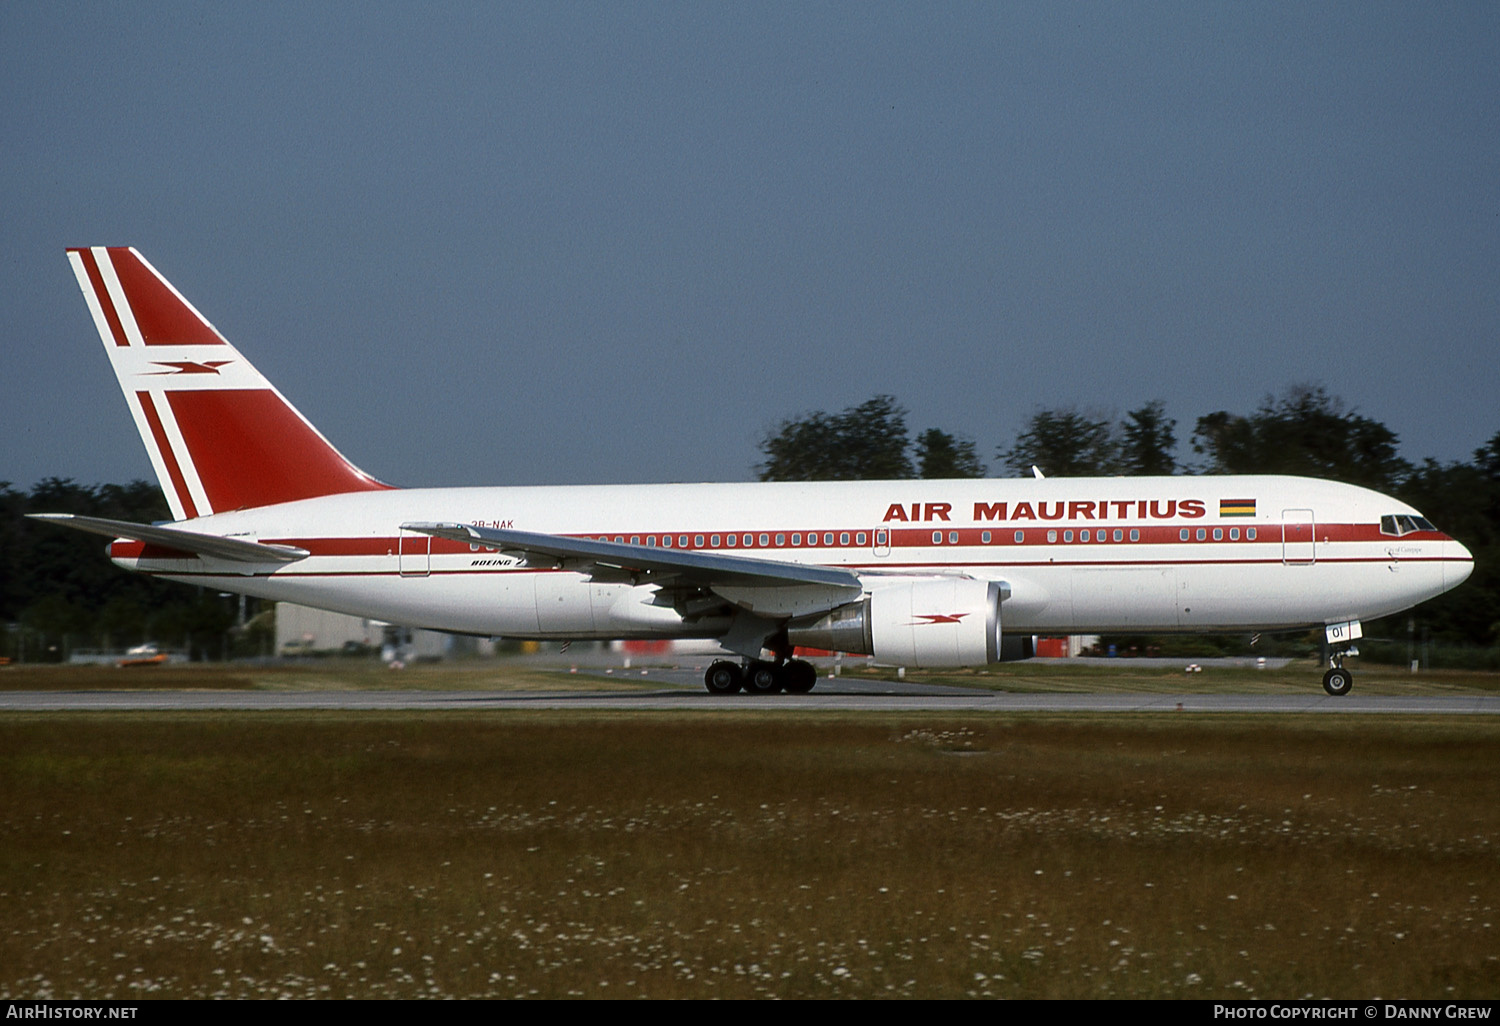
[143, 655]
[915, 573]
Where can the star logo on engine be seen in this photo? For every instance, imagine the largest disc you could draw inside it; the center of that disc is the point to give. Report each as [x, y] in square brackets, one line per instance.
[930, 618]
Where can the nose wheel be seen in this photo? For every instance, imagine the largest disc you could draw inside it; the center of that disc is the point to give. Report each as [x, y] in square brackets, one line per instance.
[1337, 681]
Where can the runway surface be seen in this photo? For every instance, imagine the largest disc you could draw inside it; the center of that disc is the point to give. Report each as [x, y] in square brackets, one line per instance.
[842, 696]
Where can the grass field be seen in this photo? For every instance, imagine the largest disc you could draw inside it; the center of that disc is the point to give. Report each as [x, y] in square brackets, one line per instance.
[747, 854]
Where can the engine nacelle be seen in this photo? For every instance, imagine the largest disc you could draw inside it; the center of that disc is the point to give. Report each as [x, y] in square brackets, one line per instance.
[929, 622]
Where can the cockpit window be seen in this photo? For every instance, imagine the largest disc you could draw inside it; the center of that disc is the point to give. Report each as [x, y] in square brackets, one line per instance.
[1398, 524]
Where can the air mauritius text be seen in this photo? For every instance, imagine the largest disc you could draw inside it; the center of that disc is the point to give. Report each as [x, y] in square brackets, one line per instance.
[1085, 509]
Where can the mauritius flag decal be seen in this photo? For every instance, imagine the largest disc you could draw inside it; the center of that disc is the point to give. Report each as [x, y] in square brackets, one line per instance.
[1236, 507]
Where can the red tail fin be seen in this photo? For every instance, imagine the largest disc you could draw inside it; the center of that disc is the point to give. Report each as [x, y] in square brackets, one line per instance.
[220, 435]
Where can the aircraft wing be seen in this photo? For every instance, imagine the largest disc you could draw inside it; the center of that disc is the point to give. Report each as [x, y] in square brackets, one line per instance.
[240, 550]
[763, 586]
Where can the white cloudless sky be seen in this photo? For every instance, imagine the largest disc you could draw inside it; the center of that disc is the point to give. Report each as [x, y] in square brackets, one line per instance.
[556, 243]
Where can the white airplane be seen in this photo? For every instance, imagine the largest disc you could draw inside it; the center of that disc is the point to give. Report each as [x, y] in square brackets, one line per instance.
[921, 573]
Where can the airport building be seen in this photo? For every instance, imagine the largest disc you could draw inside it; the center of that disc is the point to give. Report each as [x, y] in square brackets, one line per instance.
[303, 630]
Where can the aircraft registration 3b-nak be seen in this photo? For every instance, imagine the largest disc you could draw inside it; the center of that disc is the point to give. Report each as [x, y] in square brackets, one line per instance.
[919, 573]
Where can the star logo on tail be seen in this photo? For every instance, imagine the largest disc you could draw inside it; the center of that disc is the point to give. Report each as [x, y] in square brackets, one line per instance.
[189, 366]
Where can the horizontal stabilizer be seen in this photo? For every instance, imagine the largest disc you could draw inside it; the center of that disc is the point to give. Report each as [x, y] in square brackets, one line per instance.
[237, 549]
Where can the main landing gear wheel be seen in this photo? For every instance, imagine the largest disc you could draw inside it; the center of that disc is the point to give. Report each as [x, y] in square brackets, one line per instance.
[723, 678]
[1338, 681]
[762, 678]
[800, 676]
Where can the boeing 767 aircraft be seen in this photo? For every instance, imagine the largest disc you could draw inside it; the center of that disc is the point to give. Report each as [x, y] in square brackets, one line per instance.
[920, 573]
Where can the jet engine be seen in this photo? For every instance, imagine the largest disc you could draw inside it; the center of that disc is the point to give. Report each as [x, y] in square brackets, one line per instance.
[926, 622]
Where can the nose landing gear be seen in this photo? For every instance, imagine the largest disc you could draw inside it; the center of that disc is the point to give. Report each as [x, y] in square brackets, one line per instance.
[1341, 638]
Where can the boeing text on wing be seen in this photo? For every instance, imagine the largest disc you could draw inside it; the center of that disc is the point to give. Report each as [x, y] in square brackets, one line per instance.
[915, 573]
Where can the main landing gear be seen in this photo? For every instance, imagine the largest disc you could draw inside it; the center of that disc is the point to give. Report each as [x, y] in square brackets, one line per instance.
[758, 677]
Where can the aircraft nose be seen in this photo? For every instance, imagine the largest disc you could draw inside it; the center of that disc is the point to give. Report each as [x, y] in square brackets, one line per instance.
[1458, 564]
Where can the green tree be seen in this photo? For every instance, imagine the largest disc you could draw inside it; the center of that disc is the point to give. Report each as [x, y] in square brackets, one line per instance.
[941, 455]
[1463, 500]
[1063, 443]
[58, 581]
[1305, 431]
[1148, 440]
[864, 442]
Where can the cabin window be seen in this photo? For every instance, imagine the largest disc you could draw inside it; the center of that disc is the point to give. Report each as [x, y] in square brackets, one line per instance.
[1119, 535]
[937, 537]
[1249, 534]
[682, 541]
[780, 540]
[1182, 535]
[828, 538]
[985, 537]
[1135, 535]
[952, 537]
[1020, 537]
[731, 540]
[1084, 535]
[1234, 534]
[651, 540]
[1067, 536]
[859, 539]
[635, 539]
[666, 541]
[1202, 534]
[765, 540]
[1218, 534]
[797, 539]
[713, 541]
[812, 539]
[1051, 537]
[843, 537]
[697, 541]
[750, 541]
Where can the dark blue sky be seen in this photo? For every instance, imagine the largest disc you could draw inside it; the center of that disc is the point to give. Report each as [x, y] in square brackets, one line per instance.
[552, 243]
